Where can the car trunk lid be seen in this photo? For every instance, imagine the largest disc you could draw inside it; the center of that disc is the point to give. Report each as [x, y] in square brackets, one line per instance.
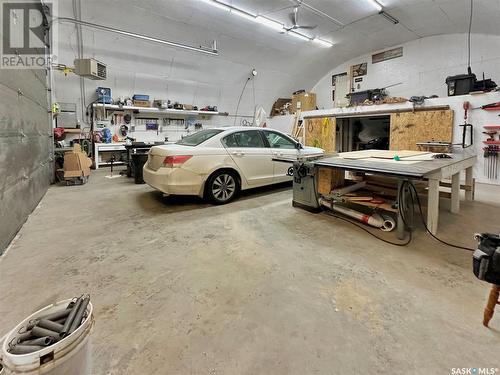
[157, 154]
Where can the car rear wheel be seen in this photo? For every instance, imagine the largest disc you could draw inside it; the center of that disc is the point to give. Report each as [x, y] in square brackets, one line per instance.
[222, 187]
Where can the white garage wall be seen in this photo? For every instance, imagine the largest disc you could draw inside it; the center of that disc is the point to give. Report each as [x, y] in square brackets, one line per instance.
[282, 123]
[423, 68]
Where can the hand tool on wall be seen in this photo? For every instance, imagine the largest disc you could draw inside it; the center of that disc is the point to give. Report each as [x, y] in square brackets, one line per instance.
[491, 105]
[491, 155]
[466, 126]
[496, 150]
[485, 162]
[491, 135]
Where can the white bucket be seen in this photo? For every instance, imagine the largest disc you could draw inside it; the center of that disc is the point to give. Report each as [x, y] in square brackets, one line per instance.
[71, 355]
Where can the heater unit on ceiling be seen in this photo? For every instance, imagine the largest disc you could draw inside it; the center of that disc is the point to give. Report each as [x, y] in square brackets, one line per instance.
[90, 68]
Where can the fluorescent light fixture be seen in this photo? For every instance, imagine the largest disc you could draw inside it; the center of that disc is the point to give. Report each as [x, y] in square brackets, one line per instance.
[269, 23]
[229, 8]
[272, 24]
[298, 36]
[322, 43]
[242, 14]
[377, 5]
[395, 21]
[217, 5]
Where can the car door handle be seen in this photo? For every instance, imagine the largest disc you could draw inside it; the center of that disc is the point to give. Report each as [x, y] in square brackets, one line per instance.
[277, 153]
[238, 153]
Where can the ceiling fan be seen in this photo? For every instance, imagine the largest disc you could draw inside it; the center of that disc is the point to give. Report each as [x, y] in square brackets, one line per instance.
[294, 17]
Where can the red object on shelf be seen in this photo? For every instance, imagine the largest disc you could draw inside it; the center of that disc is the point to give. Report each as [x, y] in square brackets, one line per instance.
[491, 126]
[58, 133]
[491, 142]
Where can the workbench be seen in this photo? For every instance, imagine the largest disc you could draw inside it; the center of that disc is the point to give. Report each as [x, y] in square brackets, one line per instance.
[106, 147]
[418, 167]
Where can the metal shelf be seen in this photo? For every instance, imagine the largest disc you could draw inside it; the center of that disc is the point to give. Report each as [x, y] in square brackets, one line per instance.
[109, 163]
[491, 142]
[154, 110]
[106, 147]
[73, 130]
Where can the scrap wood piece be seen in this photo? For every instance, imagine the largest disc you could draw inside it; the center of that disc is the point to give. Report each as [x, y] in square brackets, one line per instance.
[383, 206]
[386, 100]
[354, 196]
[329, 179]
[349, 188]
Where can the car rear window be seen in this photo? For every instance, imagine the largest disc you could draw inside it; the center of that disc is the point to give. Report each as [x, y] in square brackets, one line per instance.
[246, 138]
[198, 137]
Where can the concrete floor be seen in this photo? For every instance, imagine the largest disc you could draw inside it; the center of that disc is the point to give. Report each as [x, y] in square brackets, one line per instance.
[253, 287]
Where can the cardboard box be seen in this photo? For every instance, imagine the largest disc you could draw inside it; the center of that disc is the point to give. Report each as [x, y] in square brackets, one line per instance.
[76, 163]
[142, 103]
[306, 101]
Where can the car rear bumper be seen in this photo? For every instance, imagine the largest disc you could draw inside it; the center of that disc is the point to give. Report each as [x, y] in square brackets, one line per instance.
[174, 181]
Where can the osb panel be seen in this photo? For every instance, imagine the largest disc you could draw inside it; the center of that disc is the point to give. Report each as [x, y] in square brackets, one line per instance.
[329, 179]
[408, 128]
[320, 132]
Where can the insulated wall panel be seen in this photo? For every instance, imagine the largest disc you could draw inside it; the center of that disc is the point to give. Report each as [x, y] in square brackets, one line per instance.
[26, 147]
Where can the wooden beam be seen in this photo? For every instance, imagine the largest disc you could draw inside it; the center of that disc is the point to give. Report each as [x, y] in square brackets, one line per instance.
[379, 112]
[462, 186]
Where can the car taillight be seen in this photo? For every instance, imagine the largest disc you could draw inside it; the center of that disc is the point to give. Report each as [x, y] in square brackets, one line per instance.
[176, 160]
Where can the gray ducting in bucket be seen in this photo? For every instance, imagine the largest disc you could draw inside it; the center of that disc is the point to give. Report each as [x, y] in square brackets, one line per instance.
[71, 355]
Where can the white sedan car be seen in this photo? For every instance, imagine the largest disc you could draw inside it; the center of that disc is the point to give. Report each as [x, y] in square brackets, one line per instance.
[217, 163]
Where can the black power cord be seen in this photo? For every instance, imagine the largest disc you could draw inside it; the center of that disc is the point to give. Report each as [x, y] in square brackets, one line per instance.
[409, 187]
[362, 227]
[407, 193]
[239, 100]
[469, 33]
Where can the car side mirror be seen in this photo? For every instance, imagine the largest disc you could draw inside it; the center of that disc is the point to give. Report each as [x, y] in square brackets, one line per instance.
[298, 146]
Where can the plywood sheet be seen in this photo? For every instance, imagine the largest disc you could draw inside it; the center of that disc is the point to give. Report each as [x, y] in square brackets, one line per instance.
[329, 179]
[354, 155]
[392, 161]
[381, 154]
[408, 128]
[401, 154]
[320, 132]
